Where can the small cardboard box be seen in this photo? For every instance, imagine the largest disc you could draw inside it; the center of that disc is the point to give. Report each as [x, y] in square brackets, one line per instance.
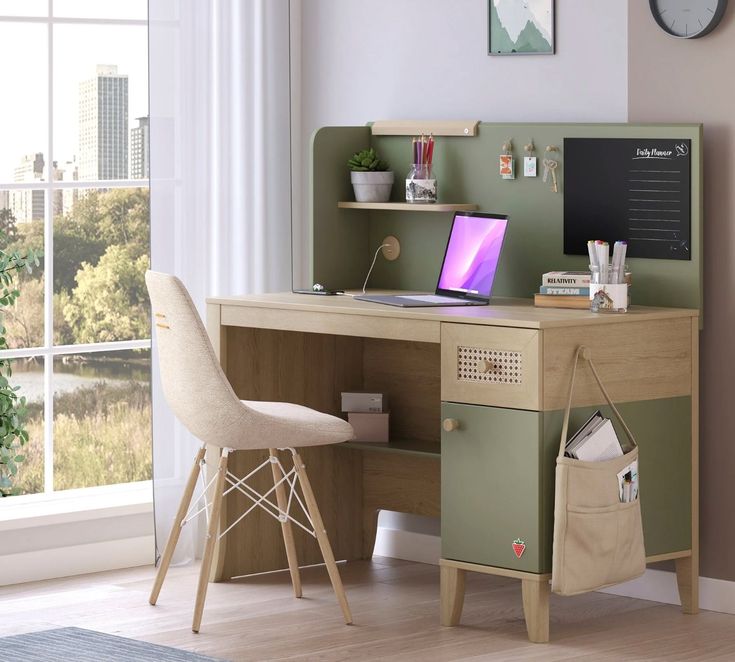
[370, 426]
[364, 401]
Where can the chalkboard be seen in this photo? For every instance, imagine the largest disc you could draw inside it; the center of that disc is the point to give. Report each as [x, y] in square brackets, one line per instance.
[631, 189]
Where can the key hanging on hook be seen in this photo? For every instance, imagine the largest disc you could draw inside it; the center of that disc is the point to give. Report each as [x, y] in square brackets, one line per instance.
[550, 166]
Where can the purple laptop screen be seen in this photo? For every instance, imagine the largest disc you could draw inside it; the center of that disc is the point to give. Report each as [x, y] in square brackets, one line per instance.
[472, 254]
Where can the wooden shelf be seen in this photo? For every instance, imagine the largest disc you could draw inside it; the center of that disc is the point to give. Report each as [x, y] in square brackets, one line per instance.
[408, 206]
[403, 446]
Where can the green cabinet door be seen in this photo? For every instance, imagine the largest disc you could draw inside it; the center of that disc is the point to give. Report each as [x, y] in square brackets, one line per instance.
[497, 484]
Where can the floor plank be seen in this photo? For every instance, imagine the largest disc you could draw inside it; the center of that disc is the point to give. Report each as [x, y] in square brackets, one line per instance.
[395, 605]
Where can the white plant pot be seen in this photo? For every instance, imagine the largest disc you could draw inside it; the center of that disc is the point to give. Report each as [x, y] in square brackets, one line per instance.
[372, 186]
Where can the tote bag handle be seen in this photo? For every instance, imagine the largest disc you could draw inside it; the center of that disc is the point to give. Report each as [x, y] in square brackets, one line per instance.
[586, 353]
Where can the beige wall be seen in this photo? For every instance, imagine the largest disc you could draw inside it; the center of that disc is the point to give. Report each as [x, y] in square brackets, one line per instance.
[675, 80]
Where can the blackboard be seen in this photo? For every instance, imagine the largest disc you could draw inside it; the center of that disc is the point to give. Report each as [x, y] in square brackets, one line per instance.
[631, 189]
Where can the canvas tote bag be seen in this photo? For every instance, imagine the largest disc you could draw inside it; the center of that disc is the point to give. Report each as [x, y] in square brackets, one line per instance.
[598, 540]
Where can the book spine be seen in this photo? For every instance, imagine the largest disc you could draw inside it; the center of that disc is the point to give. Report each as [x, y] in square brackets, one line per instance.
[566, 281]
[559, 290]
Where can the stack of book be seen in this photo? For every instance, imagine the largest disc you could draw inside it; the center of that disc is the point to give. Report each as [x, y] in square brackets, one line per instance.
[564, 289]
[595, 441]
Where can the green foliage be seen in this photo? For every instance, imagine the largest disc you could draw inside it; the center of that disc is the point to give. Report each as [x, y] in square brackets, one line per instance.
[367, 160]
[101, 437]
[110, 299]
[8, 228]
[101, 252]
[13, 435]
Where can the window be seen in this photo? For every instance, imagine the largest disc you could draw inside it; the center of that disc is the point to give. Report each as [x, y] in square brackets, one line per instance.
[74, 182]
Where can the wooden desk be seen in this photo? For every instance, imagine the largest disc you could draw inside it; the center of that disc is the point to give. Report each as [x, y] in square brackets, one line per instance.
[502, 367]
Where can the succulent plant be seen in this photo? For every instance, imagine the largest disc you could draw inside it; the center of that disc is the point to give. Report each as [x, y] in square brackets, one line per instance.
[367, 160]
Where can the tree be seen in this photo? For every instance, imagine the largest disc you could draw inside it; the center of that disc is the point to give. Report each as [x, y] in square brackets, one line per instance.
[24, 319]
[8, 228]
[110, 301]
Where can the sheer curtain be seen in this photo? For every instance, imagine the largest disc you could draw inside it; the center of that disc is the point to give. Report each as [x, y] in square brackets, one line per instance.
[220, 178]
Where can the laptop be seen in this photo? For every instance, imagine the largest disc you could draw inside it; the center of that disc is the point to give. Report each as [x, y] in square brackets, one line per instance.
[469, 267]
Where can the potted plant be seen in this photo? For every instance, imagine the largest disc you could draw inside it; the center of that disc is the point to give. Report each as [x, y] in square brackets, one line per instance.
[371, 179]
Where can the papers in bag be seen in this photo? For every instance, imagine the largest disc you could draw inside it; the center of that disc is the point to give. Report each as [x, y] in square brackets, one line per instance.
[628, 482]
[595, 441]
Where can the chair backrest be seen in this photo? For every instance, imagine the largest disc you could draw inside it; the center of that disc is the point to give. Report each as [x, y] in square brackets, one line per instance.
[194, 384]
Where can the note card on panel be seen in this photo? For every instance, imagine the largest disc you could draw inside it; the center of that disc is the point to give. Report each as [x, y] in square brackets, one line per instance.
[634, 189]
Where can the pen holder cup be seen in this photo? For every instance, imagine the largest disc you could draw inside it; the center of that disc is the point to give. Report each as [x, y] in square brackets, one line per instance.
[421, 184]
[609, 298]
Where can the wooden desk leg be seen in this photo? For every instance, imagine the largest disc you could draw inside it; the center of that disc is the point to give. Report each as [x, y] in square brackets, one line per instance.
[452, 584]
[687, 579]
[369, 532]
[536, 609]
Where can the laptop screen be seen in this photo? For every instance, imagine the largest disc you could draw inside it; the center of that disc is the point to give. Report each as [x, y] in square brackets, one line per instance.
[473, 251]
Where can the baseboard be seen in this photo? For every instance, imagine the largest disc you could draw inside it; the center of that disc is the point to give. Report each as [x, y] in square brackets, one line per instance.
[408, 545]
[660, 586]
[76, 560]
[655, 585]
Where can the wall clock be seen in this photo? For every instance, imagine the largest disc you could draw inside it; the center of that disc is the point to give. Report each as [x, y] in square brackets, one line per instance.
[688, 19]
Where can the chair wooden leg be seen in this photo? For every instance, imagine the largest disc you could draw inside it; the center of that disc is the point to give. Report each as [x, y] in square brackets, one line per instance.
[212, 532]
[536, 609]
[321, 536]
[173, 537]
[288, 541]
[451, 592]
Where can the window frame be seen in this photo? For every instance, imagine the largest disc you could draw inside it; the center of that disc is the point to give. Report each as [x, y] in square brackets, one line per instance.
[49, 350]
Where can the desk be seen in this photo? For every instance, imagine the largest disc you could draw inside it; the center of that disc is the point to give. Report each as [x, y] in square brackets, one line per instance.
[502, 371]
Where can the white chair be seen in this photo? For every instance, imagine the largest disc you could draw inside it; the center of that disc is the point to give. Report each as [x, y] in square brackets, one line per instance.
[200, 395]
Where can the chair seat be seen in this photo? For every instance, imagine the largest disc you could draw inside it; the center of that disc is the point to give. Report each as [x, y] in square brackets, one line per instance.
[292, 425]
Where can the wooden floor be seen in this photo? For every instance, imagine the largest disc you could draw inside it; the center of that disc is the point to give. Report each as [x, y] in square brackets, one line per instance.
[395, 606]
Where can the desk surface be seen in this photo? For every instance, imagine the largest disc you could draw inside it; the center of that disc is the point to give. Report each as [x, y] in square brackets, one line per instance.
[501, 312]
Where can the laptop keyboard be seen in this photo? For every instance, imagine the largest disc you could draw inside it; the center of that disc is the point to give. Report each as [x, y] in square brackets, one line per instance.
[428, 298]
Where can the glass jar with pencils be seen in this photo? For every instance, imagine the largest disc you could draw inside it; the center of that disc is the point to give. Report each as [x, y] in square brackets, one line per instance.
[421, 183]
[421, 179]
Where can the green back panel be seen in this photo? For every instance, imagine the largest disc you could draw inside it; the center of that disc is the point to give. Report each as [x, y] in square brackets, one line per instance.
[467, 172]
[498, 479]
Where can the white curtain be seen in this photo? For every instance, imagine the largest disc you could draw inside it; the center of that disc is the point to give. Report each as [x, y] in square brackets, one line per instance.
[220, 178]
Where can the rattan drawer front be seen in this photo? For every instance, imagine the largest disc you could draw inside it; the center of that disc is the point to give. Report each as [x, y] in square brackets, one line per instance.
[487, 365]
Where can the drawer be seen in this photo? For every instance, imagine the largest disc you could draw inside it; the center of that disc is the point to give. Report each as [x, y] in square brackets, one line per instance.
[491, 365]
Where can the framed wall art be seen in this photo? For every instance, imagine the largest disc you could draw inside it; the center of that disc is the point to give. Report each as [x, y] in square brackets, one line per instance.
[520, 27]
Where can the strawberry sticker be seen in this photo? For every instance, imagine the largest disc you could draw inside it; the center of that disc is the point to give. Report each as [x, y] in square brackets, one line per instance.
[519, 546]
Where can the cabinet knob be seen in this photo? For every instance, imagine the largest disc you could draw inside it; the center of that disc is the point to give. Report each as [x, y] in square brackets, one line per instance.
[450, 424]
[485, 365]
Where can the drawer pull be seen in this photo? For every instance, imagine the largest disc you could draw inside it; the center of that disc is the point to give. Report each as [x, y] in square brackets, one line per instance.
[450, 424]
[485, 366]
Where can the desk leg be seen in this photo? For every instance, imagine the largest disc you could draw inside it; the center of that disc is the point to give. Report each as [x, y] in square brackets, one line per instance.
[369, 531]
[452, 584]
[687, 579]
[536, 609]
[218, 337]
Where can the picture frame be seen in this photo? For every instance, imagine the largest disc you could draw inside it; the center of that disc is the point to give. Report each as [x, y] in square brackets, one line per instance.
[521, 28]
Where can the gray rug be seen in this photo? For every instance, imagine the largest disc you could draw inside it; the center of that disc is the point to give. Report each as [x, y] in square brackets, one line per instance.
[77, 645]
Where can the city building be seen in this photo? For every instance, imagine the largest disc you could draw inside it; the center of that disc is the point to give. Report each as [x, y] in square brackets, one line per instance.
[64, 198]
[103, 125]
[139, 152]
[27, 204]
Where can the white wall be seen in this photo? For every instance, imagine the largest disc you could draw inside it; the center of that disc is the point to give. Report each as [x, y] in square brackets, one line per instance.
[420, 59]
[389, 59]
[416, 59]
